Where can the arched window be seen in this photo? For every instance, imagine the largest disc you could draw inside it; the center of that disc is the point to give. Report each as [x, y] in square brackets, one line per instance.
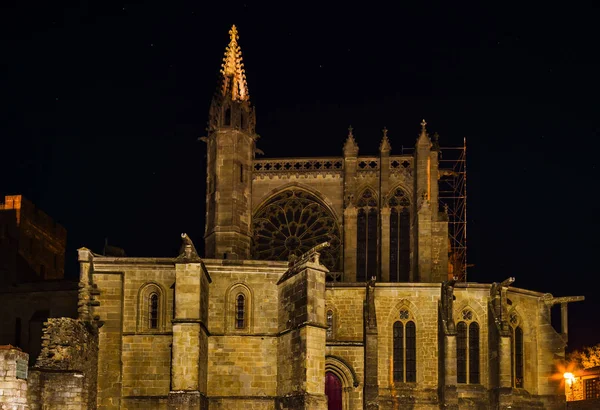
[517, 349]
[467, 348]
[366, 257]
[151, 308]
[329, 333]
[399, 236]
[153, 311]
[228, 116]
[240, 312]
[239, 306]
[405, 349]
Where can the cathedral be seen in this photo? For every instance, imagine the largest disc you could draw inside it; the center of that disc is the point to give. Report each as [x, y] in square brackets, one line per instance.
[327, 283]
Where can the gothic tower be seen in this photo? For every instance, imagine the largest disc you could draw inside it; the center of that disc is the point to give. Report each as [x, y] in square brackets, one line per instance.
[231, 144]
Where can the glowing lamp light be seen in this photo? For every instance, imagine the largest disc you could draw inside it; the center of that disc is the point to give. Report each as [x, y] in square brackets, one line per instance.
[569, 377]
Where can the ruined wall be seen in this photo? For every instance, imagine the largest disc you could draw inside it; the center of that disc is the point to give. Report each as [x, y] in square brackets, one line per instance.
[65, 374]
[25, 307]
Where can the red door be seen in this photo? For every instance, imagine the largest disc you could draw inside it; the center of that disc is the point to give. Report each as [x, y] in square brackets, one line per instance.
[333, 391]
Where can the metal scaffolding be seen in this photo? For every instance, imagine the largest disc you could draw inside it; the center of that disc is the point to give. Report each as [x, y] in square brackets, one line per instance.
[453, 197]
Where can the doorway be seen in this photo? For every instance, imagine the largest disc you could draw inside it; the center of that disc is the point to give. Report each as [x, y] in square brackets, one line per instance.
[333, 391]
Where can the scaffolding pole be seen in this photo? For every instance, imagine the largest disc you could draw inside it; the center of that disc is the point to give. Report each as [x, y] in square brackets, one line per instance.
[453, 198]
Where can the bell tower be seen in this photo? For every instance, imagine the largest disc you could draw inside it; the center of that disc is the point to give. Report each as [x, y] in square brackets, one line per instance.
[231, 145]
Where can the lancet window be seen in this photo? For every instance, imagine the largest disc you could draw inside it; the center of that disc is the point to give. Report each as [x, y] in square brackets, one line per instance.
[399, 204]
[467, 349]
[366, 257]
[518, 349]
[153, 312]
[151, 308]
[240, 312]
[293, 222]
[405, 348]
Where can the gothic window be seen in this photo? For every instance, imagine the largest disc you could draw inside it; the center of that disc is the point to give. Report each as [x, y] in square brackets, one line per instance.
[293, 222]
[151, 308]
[329, 324]
[366, 237]
[399, 236]
[228, 116]
[153, 311]
[405, 349]
[467, 349]
[238, 315]
[517, 349]
[239, 312]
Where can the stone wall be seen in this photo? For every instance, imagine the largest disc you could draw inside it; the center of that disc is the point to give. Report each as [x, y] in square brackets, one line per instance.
[13, 389]
[66, 370]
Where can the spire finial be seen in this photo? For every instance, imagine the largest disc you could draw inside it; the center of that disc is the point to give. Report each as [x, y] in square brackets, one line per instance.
[424, 137]
[385, 145]
[232, 70]
[423, 125]
[350, 131]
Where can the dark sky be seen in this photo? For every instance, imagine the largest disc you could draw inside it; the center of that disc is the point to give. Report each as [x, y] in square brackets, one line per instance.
[103, 103]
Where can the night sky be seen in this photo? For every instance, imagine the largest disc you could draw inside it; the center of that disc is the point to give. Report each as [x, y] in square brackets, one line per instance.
[103, 103]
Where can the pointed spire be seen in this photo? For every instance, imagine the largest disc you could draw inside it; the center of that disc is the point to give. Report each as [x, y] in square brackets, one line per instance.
[232, 70]
[385, 145]
[424, 137]
[350, 147]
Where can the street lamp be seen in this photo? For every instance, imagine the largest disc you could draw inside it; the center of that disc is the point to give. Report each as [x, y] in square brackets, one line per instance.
[570, 379]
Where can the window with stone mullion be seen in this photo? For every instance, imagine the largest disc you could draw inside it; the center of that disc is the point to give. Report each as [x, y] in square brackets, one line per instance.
[461, 352]
[518, 366]
[398, 352]
[361, 255]
[474, 353]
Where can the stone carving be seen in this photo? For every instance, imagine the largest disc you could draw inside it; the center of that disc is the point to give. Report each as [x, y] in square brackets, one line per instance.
[499, 304]
[187, 250]
[370, 308]
[447, 304]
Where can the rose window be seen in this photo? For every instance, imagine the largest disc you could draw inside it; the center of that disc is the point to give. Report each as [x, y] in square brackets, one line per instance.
[292, 223]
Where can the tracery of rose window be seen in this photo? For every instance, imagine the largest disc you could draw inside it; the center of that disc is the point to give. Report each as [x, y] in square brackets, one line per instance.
[292, 223]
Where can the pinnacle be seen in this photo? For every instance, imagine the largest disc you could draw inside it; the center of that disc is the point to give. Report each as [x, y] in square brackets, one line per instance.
[350, 146]
[424, 136]
[385, 142]
[232, 70]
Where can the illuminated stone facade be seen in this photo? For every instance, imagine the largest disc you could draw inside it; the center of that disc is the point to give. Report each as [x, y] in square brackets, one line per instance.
[354, 290]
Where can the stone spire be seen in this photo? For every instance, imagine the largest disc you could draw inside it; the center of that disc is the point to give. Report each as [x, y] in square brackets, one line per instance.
[232, 70]
[350, 146]
[385, 145]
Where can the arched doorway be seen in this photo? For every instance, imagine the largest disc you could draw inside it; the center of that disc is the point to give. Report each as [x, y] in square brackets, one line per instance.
[333, 391]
